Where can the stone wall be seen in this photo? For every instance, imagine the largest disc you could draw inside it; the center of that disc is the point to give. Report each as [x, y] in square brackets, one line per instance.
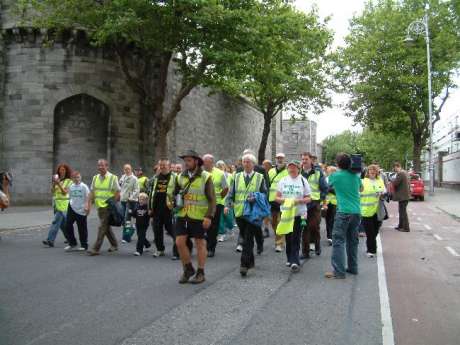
[38, 78]
[2, 89]
[50, 91]
[297, 137]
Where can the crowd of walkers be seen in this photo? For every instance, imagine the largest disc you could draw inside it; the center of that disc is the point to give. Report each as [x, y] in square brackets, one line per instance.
[206, 200]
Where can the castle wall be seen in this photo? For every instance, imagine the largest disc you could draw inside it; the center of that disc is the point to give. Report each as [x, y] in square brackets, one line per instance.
[51, 89]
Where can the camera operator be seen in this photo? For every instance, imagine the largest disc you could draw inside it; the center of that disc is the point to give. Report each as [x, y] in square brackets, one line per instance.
[347, 185]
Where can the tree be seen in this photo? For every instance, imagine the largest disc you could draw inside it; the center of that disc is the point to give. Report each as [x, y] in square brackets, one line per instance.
[285, 65]
[373, 145]
[387, 80]
[346, 142]
[149, 37]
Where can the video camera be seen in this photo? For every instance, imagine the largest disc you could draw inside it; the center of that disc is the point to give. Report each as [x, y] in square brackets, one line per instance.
[356, 163]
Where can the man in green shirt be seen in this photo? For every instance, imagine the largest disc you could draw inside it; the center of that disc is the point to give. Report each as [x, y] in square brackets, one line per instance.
[347, 185]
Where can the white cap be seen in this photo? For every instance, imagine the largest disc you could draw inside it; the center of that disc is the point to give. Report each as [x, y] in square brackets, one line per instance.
[280, 154]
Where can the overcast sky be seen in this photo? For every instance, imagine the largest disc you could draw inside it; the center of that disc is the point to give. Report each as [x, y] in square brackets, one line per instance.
[332, 121]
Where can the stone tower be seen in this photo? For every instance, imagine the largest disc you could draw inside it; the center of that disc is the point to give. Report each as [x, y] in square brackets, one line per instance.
[69, 102]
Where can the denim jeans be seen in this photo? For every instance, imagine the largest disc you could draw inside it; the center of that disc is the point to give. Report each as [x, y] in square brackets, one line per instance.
[345, 233]
[59, 222]
[293, 242]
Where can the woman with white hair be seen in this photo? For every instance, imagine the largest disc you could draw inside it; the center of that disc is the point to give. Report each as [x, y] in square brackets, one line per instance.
[246, 182]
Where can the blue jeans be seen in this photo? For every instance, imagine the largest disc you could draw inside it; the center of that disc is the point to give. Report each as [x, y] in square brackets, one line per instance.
[345, 232]
[58, 223]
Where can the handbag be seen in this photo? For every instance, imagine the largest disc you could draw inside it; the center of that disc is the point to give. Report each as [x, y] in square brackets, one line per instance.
[382, 212]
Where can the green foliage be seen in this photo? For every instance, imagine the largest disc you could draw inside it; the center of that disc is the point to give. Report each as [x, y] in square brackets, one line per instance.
[374, 145]
[284, 64]
[388, 80]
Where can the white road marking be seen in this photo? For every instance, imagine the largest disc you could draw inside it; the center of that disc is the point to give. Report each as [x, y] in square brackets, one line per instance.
[385, 311]
[439, 238]
[427, 227]
[419, 219]
[452, 251]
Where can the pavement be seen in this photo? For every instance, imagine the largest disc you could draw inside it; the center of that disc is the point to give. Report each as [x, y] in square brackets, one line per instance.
[409, 295]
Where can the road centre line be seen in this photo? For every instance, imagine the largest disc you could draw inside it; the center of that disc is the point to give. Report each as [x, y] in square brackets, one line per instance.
[427, 226]
[452, 251]
[385, 311]
[439, 238]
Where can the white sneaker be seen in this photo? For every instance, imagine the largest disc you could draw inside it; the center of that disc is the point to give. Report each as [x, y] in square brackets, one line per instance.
[137, 254]
[329, 241]
[278, 249]
[288, 264]
[221, 238]
[295, 268]
[70, 248]
[370, 255]
[239, 248]
[81, 249]
[123, 241]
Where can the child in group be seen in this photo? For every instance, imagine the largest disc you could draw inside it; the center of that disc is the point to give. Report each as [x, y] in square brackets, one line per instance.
[77, 212]
[142, 223]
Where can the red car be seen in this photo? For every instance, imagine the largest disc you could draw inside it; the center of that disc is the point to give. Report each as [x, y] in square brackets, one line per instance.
[417, 187]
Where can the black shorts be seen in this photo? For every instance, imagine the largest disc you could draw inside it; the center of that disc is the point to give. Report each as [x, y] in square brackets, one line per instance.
[190, 227]
[275, 207]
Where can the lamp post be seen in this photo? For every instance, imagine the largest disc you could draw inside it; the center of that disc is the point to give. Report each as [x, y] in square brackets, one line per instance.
[419, 27]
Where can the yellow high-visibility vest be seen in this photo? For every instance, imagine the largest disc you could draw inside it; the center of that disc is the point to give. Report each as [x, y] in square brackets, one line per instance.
[195, 201]
[242, 191]
[369, 197]
[61, 200]
[274, 177]
[218, 176]
[103, 189]
[286, 224]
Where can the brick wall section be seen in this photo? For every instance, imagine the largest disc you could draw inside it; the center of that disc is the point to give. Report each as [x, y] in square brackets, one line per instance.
[295, 138]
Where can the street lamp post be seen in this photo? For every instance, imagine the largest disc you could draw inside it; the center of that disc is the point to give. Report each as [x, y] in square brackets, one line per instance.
[420, 27]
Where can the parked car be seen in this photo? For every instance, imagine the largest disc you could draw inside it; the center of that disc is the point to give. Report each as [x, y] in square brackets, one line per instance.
[417, 187]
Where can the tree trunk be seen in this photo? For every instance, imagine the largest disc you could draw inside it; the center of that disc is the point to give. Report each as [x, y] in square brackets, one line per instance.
[161, 142]
[416, 154]
[265, 133]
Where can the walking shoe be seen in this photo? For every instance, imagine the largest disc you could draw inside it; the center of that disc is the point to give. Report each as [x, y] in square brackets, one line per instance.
[278, 249]
[318, 251]
[211, 253]
[329, 241]
[370, 255]
[266, 233]
[351, 272]
[158, 253]
[239, 248]
[83, 248]
[288, 264]
[362, 234]
[161, 253]
[305, 257]
[174, 258]
[189, 272]
[260, 250]
[112, 249]
[124, 241]
[49, 244]
[70, 248]
[221, 238]
[332, 275]
[92, 253]
[243, 271]
[137, 254]
[403, 230]
[295, 268]
[199, 277]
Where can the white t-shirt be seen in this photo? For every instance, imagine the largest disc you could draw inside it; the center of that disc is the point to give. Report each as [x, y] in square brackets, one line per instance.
[294, 188]
[78, 194]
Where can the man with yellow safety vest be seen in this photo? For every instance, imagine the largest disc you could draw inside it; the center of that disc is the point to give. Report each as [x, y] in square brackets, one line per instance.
[104, 186]
[319, 189]
[196, 203]
[331, 209]
[274, 176]
[142, 180]
[373, 189]
[61, 182]
[160, 206]
[220, 189]
[245, 183]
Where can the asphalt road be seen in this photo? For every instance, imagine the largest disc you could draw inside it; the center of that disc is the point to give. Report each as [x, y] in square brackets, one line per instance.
[48, 296]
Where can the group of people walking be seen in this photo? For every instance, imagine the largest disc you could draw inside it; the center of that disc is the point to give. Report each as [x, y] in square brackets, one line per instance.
[202, 199]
